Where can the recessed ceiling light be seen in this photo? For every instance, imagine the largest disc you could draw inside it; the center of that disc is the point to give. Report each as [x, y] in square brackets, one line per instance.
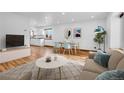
[63, 13]
[46, 17]
[92, 17]
[72, 19]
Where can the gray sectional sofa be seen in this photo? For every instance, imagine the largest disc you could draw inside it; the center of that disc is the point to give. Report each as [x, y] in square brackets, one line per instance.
[91, 69]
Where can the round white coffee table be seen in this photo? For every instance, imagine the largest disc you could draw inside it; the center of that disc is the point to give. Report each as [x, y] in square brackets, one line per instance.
[58, 63]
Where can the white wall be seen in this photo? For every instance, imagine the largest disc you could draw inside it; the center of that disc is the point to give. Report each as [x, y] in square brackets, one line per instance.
[122, 32]
[13, 24]
[88, 27]
[0, 35]
[108, 28]
[1, 30]
[115, 30]
[16, 24]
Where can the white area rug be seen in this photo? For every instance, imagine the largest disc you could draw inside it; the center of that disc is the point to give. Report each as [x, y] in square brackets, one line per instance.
[70, 71]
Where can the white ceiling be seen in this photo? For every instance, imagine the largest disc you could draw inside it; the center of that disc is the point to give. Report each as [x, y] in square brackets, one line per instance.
[54, 18]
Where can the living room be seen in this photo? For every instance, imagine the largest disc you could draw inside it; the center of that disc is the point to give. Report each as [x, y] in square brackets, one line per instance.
[42, 38]
[61, 46]
[66, 36]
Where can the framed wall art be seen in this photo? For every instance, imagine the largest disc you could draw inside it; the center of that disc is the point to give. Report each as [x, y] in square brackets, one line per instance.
[77, 32]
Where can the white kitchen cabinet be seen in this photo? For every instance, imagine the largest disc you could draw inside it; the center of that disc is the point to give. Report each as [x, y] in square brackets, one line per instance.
[37, 42]
[49, 43]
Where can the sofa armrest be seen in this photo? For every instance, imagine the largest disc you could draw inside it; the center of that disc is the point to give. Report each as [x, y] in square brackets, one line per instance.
[91, 55]
[91, 66]
[87, 75]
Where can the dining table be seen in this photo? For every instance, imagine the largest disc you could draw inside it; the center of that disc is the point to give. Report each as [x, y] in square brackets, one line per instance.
[74, 46]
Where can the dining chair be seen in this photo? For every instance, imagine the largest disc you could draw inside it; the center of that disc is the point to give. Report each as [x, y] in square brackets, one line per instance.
[57, 47]
[75, 47]
[67, 48]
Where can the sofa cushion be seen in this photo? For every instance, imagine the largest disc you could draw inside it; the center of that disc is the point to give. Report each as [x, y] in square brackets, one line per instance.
[115, 58]
[120, 64]
[90, 65]
[102, 58]
[87, 75]
[111, 75]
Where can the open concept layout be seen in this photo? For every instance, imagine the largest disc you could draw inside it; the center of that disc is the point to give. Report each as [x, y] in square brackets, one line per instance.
[61, 46]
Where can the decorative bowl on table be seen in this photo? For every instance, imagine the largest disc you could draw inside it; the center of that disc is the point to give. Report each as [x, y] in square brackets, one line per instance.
[48, 59]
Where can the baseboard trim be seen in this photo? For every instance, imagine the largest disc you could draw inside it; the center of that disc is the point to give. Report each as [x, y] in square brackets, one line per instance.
[48, 46]
[85, 50]
[80, 49]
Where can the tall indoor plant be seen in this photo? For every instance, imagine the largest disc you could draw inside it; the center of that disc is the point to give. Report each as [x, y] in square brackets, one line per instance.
[100, 37]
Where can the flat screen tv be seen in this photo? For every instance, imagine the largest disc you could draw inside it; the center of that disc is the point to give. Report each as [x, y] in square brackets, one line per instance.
[14, 40]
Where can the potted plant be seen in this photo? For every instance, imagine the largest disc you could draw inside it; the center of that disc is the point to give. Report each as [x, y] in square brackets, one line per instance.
[100, 38]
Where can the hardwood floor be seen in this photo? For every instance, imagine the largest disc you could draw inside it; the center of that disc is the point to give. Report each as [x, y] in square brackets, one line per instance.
[37, 52]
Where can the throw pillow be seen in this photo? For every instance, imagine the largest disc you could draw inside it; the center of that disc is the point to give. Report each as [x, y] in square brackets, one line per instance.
[102, 58]
[111, 75]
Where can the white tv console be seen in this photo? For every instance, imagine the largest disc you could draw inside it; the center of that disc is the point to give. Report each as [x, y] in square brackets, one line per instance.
[14, 53]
